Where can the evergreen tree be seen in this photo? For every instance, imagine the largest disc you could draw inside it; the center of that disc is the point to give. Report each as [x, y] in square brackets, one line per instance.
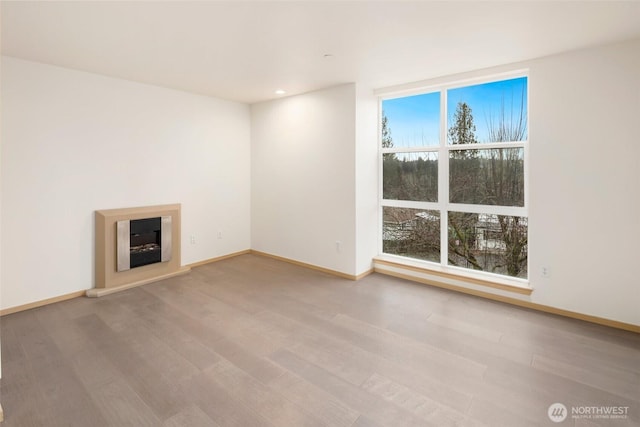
[387, 141]
[463, 187]
[391, 174]
[463, 130]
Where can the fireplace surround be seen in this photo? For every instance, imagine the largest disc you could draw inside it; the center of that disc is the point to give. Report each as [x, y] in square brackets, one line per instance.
[135, 246]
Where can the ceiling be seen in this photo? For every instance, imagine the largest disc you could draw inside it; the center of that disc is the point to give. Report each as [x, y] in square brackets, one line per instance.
[244, 51]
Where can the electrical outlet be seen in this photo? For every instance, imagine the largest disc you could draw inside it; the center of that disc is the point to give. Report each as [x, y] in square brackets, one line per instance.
[192, 239]
[338, 246]
[545, 271]
[219, 234]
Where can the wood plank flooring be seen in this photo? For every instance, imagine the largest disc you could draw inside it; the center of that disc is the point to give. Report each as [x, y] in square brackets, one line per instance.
[252, 341]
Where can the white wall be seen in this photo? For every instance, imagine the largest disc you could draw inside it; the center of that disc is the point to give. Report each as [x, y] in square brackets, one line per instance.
[303, 177]
[366, 165]
[585, 180]
[74, 142]
[584, 200]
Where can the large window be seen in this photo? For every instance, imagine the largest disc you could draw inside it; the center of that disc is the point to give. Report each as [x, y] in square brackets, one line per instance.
[454, 176]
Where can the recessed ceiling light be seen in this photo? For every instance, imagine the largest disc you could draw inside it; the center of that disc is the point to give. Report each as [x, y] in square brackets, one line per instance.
[280, 92]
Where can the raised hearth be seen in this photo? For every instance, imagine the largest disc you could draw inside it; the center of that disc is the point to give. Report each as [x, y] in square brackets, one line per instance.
[135, 246]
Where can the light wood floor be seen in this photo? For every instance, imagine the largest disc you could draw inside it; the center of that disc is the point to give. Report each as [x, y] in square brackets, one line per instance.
[252, 341]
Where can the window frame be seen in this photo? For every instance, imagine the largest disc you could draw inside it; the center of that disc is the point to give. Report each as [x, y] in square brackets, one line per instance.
[443, 150]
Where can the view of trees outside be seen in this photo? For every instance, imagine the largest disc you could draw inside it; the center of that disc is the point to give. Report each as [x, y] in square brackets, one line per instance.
[488, 113]
[410, 176]
[487, 177]
[414, 233]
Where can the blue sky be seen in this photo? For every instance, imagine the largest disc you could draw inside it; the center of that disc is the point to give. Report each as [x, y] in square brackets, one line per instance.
[415, 121]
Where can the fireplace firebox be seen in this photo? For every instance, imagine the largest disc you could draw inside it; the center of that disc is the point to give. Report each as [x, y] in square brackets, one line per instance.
[143, 241]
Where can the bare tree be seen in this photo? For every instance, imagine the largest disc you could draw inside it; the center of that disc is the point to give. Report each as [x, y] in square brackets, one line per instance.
[412, 232]
[512, 127]
[505, 181]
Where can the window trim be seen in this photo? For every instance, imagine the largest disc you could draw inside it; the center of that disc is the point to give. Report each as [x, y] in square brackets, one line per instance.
[443, 204]
[459, 274]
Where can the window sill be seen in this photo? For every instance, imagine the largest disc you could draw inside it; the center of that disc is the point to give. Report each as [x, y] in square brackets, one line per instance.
[519, 286]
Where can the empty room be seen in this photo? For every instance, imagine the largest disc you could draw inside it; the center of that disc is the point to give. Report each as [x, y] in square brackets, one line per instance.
[320, 213]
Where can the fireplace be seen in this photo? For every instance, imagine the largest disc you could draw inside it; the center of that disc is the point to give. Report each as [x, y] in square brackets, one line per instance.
[143, 241]
[135, 246]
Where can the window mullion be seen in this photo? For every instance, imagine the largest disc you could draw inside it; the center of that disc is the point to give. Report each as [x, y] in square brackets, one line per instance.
[426, 148]
[488, 209]
[410, 204]
[443, 179]
[487, 146]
